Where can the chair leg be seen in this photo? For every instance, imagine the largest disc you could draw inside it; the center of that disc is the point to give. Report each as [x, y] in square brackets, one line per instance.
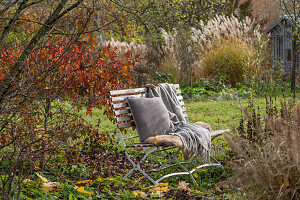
[172, 157]
[137, 166]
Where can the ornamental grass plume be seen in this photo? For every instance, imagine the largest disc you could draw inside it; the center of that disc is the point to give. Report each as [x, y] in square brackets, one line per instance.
[223, 27]
[135, 50]
[268, 161]
[219, 56]
[191, 52]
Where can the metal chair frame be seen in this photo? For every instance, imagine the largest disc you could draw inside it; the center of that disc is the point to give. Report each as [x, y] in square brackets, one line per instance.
[124, 119]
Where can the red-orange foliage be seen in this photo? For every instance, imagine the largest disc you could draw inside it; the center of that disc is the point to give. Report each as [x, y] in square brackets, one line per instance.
[75, 72]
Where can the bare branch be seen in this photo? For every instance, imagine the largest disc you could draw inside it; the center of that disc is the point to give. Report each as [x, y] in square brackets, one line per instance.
[7, 83]
[7, 7]
[7, 29]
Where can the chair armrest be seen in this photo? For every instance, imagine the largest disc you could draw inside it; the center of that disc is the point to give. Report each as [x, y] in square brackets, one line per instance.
[217, 133]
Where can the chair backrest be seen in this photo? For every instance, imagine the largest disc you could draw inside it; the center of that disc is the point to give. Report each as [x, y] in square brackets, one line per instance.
[180, 99]
[121, 110]
[122, 113]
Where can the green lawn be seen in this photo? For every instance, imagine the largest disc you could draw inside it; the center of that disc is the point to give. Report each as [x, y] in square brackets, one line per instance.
[219, 114]
[109, 183]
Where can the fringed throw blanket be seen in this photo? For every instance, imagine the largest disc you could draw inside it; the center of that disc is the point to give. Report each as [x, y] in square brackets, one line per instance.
[195, 139]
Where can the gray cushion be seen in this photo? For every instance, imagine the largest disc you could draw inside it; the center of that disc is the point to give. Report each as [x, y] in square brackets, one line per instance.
[150, 115]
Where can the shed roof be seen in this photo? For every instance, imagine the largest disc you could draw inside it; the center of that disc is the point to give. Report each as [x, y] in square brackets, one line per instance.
[288, 18]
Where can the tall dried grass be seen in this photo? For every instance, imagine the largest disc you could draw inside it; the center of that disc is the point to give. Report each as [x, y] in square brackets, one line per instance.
[180, 55]
[188, 50]
[182, 52]
[132, 49]
[216, 34]
[229, 61]
[226, 28]
[268, 163]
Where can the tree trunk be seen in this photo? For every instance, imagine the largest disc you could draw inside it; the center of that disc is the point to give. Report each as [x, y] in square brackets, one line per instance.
[294, 64]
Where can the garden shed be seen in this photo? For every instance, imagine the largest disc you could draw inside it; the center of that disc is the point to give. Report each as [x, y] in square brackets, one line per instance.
[281, 32]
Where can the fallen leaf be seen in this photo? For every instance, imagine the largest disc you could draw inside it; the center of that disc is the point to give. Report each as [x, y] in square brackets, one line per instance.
[161, 185]
[183, 185]
[46, 185]
[81, 190]
[84, 182]
[49, 186]
[42, 178]
[139, 194]
[162, 189]
[195, 175]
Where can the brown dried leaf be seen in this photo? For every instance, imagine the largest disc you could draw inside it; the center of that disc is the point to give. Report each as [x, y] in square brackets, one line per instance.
[42, 178]
[49, 186]
[183, 185]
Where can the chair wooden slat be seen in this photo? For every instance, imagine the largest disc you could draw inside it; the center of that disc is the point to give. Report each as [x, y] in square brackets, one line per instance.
[124, 119]
[120, 105]
[126, 125]
[121, 112]
[128, 91]
[122, 98]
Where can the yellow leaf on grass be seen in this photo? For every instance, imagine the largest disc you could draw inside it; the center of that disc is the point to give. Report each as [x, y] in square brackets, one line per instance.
[84, 182]
[161, 189]
[81, 190]
[162, 185]
[195, 175]
[140, 194]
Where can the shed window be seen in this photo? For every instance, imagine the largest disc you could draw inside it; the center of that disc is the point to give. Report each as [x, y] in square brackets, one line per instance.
[288, 53]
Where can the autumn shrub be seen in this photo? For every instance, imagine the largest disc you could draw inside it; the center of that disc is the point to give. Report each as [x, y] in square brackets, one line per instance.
[228, 61]
[234, 43]
[267, 147]
[38, 116]
[50, 67]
